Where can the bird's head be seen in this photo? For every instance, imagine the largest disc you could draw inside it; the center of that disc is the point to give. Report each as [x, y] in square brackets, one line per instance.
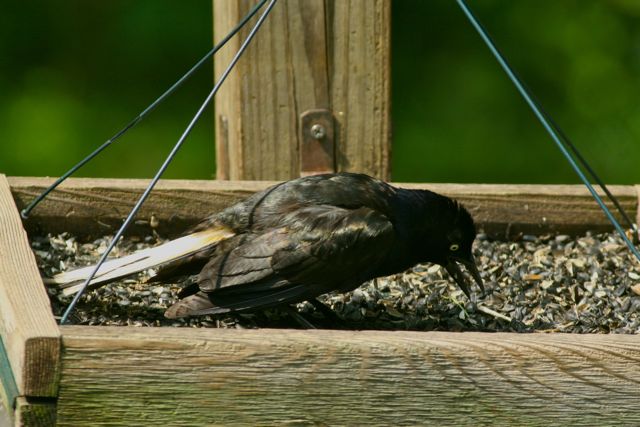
[447, 235]
[457, 241]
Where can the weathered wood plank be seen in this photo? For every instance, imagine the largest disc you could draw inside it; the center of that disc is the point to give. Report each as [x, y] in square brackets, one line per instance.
[96, 206]
[194, 377]
[360, 75]
[299, 61]
[29, 333]
[247, 377]
[226, 110]
[257, 102]
[35, 413]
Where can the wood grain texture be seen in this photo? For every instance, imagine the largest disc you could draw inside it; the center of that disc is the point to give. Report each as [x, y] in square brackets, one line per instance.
[121, 376]
[97, 206]
[128, 376]
[226, 111]
[296, 63]
[360, 77]
[258, 99]
[29, 333]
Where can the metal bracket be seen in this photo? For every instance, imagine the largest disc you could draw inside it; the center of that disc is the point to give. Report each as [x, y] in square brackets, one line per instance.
[317, 142]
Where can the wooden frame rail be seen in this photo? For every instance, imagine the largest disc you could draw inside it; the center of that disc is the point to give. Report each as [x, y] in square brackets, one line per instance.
[124, 376]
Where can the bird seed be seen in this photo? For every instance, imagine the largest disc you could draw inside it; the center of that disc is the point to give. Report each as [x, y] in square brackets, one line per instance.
[552, 283]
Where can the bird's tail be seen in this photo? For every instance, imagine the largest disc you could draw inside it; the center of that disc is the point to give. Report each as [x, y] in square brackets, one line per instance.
[72, 281]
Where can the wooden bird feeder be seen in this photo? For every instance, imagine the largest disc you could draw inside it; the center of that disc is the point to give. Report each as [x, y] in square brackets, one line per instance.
[333, 116]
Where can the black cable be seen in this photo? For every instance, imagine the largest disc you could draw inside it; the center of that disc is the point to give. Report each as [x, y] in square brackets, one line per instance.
[546, 123]
[168, 160]
[25, 212]
[596, 178]
[568, 143]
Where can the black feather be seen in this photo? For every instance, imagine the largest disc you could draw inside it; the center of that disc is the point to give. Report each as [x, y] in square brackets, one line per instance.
[316, 234]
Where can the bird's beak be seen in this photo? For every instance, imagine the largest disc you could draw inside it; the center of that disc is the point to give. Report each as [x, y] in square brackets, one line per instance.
[456, 273]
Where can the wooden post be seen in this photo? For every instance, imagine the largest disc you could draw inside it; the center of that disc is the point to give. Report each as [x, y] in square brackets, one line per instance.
[185, 376]
[311, 93]
[29, 336]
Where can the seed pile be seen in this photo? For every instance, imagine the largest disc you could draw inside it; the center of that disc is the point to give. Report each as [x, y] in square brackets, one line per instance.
[589, 284]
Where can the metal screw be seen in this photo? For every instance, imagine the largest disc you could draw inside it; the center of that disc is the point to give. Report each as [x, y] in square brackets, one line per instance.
[318, 131]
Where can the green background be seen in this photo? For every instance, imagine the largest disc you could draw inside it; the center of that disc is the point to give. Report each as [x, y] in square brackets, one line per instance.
[72, 73]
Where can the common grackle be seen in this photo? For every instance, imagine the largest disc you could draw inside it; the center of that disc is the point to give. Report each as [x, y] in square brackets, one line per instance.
[303, 238]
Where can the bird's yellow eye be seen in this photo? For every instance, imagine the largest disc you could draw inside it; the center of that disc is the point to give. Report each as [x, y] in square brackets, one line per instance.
[454, 247]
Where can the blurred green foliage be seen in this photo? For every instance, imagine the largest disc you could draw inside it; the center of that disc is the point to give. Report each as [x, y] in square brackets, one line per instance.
[458, 118]
[75, 72]
[72, 73]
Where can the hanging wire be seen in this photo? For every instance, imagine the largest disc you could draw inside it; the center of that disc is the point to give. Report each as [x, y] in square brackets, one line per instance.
[553, 130]
[601, 184]
[26, 211]
[168, 160]
[567, 142]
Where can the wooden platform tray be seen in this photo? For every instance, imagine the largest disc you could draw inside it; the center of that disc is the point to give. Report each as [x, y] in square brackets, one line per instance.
[77, 375]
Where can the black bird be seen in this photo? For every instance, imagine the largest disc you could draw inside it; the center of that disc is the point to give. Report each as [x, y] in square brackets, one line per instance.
[303, 238]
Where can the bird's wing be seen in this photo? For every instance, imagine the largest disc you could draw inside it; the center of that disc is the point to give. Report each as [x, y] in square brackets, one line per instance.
[316, 249]
[185, 247]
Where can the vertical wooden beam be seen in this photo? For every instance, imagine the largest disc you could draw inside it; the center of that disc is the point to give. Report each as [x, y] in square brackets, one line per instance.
[310, 55]
[29, 333]
[360, 76]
